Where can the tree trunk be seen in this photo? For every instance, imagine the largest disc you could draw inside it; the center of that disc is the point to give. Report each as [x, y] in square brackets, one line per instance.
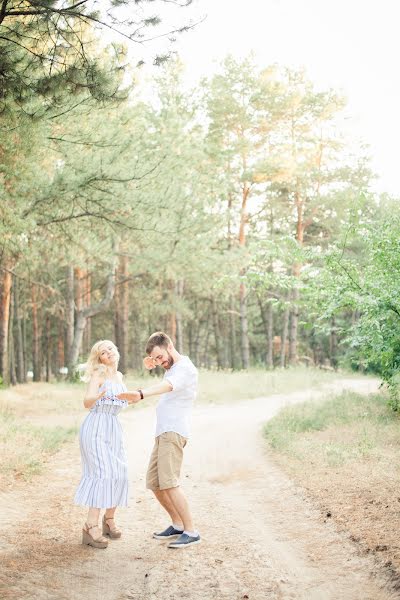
[333, 345]
[5, 299]
[270, 335]
[36, 358]
[294, 313]
[196, 345]
[232, 334]
[217, 334]
[206, 358]
[60, 348]
[81, 300]
[88, 300]
[48, 348]
[285, 330]
[268, 322]
[294, 321]
[122, 313]
[137, 346]
[18, 334]
[190, 337]
[79, 290]
[25, 345]
[80, 323]
[84, 314]
[171, 327]
[232, 320]
[69, 316]
[314, 348]
[196, 329]
[244, 328]
[11, 344]
[117, 313]
[179, 324]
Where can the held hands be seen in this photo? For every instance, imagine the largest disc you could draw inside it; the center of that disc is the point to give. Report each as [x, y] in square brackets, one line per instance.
[130, 397]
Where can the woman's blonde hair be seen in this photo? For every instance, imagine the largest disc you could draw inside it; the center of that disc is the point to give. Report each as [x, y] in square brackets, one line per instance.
[93, 363]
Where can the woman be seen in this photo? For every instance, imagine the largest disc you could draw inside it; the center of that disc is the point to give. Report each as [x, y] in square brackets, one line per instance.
[104, 482]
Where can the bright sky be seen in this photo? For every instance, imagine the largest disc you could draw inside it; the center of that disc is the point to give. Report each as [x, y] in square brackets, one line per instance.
[350, 45]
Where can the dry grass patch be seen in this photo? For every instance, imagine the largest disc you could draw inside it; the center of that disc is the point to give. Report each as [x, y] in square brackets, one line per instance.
[24, 448]
[228, 386]
[37, 418]
[345, 451]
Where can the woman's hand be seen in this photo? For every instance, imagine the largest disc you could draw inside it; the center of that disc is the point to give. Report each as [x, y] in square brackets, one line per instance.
[92, 392]
[129, 397]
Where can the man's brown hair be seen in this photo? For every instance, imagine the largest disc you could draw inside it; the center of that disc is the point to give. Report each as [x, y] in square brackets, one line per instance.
[159, 338]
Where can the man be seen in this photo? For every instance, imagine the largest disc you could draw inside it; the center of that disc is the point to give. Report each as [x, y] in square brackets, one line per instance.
[178, 391]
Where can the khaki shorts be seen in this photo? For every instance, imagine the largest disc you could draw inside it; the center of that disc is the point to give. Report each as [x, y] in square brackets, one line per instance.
[165, 461]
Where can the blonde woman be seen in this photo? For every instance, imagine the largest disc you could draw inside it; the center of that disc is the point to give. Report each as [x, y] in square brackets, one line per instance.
[104, 483]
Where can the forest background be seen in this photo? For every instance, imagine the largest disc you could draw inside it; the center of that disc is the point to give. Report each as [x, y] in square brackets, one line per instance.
[238, 216]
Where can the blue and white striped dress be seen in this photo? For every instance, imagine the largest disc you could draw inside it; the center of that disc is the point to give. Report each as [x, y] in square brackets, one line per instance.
[104, 482]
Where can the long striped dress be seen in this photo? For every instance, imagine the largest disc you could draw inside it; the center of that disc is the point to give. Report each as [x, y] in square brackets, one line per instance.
[104, 482]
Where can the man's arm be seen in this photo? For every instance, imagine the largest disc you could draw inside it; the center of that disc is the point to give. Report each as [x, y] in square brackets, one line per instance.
[154, 390]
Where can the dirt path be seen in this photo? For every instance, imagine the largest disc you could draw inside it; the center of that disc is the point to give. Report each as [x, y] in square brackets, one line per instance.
[262, 539]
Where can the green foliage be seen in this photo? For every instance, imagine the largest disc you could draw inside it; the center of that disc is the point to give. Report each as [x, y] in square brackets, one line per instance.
[363, 277]
[52, 52]
[168, 177]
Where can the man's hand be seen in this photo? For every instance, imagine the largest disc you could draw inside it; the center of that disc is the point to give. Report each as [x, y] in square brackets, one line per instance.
[149, 363]
[130, 397]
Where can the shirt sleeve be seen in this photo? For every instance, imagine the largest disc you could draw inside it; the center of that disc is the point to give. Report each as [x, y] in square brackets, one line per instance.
[180, 379]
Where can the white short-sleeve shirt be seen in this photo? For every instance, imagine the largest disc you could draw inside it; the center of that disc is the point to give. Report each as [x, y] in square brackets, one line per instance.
[174, 408]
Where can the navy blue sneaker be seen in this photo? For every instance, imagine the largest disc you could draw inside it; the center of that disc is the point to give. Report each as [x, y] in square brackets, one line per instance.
[168, 533]
[185, 540]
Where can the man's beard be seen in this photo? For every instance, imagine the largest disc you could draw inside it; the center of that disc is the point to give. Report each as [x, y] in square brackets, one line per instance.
[170, 361]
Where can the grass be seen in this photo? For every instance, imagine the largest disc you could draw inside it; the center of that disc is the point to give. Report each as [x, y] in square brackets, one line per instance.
[37, 418]
[25, 448]
[63, 398]
[220, 386]
[216, 387]
[335, 431]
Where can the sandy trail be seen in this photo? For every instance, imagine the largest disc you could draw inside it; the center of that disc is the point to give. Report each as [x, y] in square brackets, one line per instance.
[262, 538]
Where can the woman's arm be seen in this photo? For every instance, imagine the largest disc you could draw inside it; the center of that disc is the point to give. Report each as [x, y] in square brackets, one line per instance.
[92, 391]
[158, 388]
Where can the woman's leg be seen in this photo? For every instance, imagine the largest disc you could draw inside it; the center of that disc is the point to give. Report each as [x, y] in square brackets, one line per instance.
[91, 534]
[93, 517]
[110, 512]
[109, 526]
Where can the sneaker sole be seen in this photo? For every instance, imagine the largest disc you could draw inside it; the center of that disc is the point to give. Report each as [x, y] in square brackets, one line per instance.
[165, 537]
[184, 545]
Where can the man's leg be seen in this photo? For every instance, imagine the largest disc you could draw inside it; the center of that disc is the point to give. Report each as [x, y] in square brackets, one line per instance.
[165, 501]
[169, 466]
[152, 483]
[178, 500]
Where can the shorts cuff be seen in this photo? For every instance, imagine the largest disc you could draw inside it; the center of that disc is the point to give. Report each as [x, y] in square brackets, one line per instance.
[167, 485]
